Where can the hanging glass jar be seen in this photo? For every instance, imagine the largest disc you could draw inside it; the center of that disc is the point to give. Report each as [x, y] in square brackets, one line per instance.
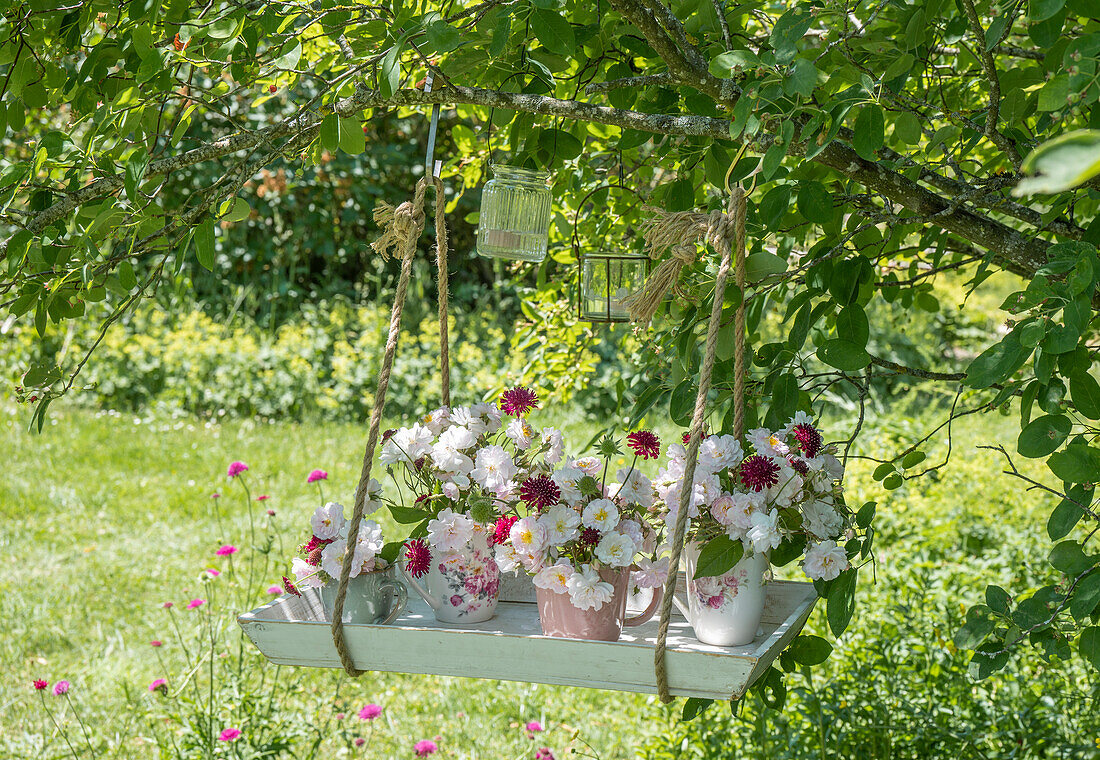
[606, 281]
[514, 222]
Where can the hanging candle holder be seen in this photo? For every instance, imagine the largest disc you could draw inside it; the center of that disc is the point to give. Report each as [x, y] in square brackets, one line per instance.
[514, 222]
[607, 277]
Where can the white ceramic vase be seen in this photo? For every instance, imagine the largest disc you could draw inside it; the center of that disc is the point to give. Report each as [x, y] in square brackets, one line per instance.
[725, 610]
[460, 586]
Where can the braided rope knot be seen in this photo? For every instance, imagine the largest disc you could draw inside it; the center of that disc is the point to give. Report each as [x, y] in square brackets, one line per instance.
[401, 226]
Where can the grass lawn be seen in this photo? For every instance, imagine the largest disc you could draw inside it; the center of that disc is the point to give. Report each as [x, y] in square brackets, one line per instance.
[103, 517]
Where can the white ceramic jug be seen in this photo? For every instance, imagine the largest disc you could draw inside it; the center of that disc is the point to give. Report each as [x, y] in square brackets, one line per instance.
[461, 586]
[725, 610]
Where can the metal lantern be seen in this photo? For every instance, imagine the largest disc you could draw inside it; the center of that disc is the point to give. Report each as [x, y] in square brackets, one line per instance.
[514, 222]
[606, 280]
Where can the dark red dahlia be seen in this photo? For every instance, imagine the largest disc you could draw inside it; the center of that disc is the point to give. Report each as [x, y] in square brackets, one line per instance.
[518, 401]
[40, 684]
[645, 444]
[759, 472]
[798, 465]
[809, 440]
[422, 497]
[539, 492]
[501, 529]
[314, 543]
[686, 438]
[590, 537]
[289, 587]
[387, 434]
[418, 557]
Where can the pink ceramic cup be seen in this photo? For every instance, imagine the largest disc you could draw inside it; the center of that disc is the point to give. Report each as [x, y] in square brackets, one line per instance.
[560, 618]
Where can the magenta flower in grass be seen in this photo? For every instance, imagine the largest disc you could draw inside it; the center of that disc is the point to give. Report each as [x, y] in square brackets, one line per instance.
[340, 716]
[360, 741]
[167, 605]
[425, 747]
[544, 753]
[225, 550]
[316, 475]
[195, 603]
[40, 684]
[370, 712]
[759, 472]
[61, 687]
[518, 401]
[533, 726]
[229, 735]
[290, 588]
[156, 643]
[645, 444]
[418, 557]
[274, 590]
[236, 468]
[809, 440]
[271, 513]
[211, 572]
[215, 495]
[159, 684]
[262, 497]
[539, 492]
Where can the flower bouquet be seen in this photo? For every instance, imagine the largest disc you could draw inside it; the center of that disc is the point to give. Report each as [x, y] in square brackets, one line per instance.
[462, 467]
[374, 595]
[580, 537]
[780, 500]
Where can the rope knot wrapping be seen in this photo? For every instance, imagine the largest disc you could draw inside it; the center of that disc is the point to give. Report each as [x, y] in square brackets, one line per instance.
[401, 226]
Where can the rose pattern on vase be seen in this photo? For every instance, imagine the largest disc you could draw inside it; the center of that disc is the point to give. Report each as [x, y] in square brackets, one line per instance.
[725, 610]
[717, 592]
[471, 582]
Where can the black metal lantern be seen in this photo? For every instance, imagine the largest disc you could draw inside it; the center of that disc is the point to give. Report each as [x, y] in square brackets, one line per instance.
[606, 278]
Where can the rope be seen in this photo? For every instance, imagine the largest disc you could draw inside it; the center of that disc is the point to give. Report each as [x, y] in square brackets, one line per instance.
[441, 246]
[720, 229]
[401, 228]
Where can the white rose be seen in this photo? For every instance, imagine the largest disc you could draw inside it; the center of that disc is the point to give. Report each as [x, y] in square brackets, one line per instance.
[601, 514]
[555, 577]
[587, 591]
[615, 549]
[824, 561]
[328, 521]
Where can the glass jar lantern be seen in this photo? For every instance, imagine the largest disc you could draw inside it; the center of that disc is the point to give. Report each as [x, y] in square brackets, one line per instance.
[514, 222]
[606, 280]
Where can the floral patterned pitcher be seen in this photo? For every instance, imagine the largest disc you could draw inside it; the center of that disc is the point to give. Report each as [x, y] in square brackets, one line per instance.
[725, 610]
[461, 586]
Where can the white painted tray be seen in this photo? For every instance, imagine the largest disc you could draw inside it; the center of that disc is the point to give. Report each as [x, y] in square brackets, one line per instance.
[292, 631]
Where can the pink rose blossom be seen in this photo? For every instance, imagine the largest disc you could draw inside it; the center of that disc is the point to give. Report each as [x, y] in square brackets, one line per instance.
[160, 684]
[316, 475]
[229, 734]
[225, 550]
[61, 687]
[195, 603]
[236, 468]
[370, 712]
[425, 747]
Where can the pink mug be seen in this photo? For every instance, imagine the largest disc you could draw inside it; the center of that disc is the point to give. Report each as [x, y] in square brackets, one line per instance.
[560, 618]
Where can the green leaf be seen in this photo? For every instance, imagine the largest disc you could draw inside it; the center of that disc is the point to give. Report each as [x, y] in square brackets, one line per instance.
[869, 132]
[763, 264]
[998, 362]
[814, 202]
[1078, 463]
[852, 325]
[785, 396]
[204, 244]
[802, 79]
[1052, 98]
[865, 515]
[979, 624]
[390, 71]
[810, 650]
[352, 141]
[844, 355]
[913, 458]
[1044, 435]
[718, 556]
[235, 210]
[907, 128]
[1070, 558]
[892, 482]
[1041, 10]
[682, 404]
[330, 132]
[1062, 163]
[443, 37]
[694, 707]
[1086, 597]
[997, 599]
[126, 275]
[774, 206]
[841, 603]
[1089, 645]
[788, 30]
[289, 59]
[732, 62]
[1085, 392]
[553, 31]
[407, 515]
[1064, 517]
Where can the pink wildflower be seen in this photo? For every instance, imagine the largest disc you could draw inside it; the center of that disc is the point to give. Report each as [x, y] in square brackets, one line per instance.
[360, 741]
[40, 684]
[225, 550]
[229, 734]
[370, 712]
[212, 572]
[215, 495]
[156, 643]
[418, 557]
[316, 475]
[160, 684]
[271, 513]
[502, 529]
[61, 687]
[195, 603]
[167, 605]
[425, 747]
[544, 753]
[534, 726]
[809, 440]
[340, 716]
[290, 588]
[262, 497]
[274, 590]
[235, 469]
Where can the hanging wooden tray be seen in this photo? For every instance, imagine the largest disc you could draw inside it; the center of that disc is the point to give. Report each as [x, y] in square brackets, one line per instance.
[293, 631]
